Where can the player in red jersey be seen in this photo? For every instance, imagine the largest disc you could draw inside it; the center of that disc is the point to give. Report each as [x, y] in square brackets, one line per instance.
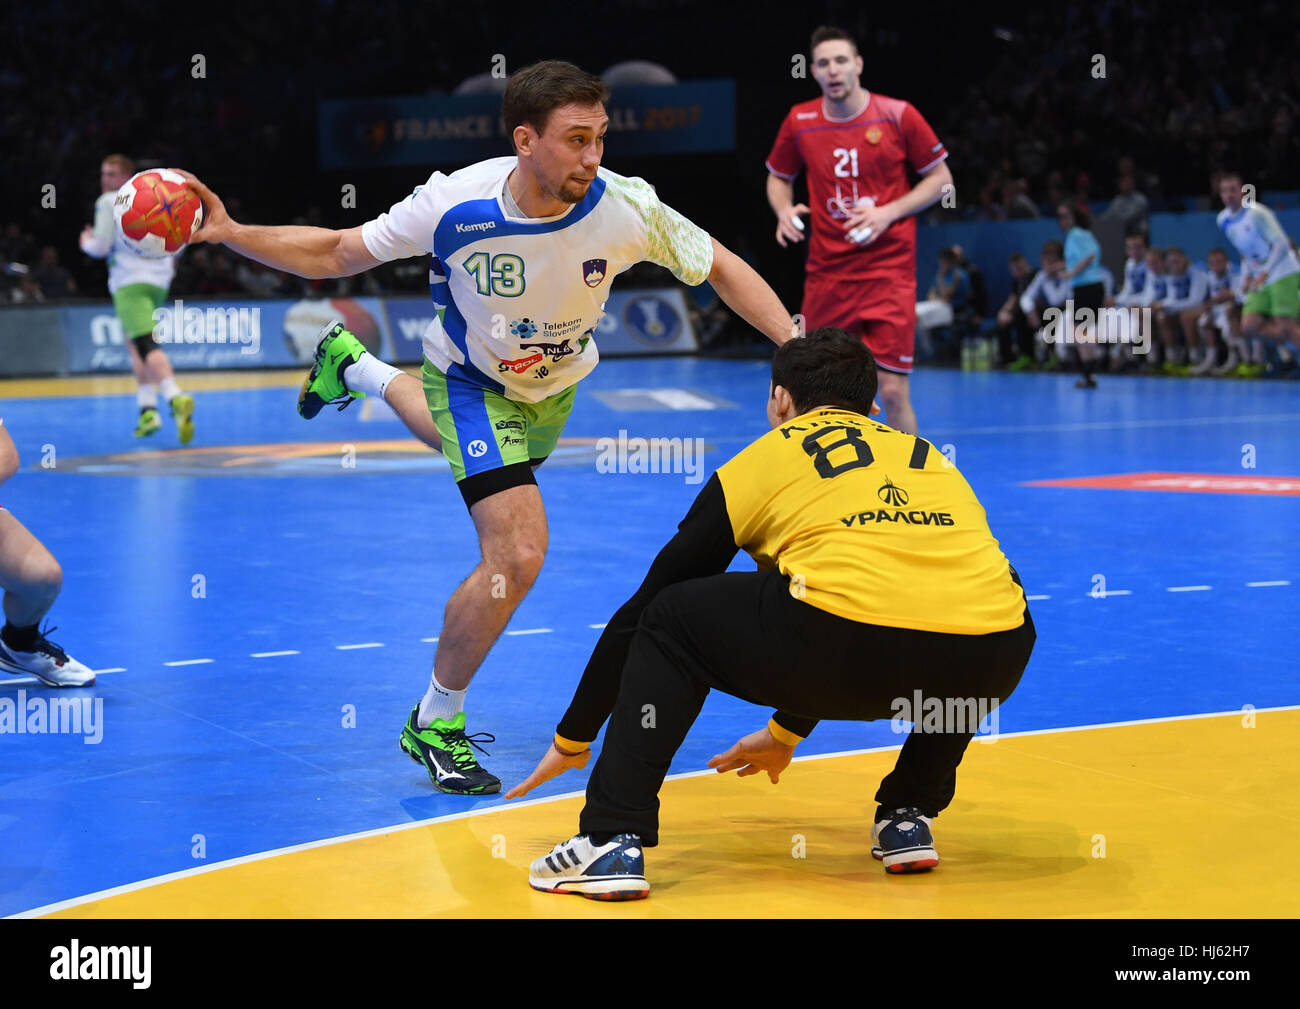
[857, 148]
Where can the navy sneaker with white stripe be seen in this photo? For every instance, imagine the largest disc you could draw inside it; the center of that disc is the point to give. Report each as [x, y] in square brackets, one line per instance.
[904, 842]
[611, 871]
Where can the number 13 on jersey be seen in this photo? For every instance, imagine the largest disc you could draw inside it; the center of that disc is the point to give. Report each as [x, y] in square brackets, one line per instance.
[502, 274]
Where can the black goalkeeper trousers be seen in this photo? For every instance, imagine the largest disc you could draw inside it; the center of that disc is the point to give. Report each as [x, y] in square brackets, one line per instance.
[744, 634]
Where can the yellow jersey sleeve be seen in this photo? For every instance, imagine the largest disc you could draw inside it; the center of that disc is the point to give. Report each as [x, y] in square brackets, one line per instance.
[870, 524]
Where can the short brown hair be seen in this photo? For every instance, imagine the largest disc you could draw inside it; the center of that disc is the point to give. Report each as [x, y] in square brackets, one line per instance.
[121, 162]
[828, 33]
[1053, 249]
[534, 92]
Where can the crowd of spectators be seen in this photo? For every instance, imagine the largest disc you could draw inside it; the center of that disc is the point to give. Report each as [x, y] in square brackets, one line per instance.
[1182, 87]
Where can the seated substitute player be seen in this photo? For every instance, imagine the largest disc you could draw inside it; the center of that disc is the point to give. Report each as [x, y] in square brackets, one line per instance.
[524, 251]
[1187, 292]
[878, 577]
[1224, 313]
[31, 579]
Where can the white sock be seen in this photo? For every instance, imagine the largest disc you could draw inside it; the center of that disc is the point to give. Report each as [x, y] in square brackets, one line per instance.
[146, 396]
[369, 375]
[438, 701]
[169, 388]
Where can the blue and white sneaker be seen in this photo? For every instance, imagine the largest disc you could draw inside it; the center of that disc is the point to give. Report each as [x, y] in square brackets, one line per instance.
[904, 842]
[611, 871]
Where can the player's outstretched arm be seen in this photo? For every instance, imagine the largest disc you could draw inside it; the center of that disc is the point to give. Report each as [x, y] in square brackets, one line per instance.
[748, 295]
[312, 253]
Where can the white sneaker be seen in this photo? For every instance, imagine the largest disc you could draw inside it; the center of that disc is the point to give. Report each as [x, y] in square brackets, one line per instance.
[1228, 366]
[47, 662]
[611, 871]
[1205, 366]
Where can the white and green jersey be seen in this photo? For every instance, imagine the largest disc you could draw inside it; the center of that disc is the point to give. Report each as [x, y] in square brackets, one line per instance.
[1257, 235]
[125, 266]
[518, 298]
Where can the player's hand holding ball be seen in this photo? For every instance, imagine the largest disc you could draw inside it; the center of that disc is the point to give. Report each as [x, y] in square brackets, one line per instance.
[789, 225]
[217, 225]
[759, 751]
[156, 212]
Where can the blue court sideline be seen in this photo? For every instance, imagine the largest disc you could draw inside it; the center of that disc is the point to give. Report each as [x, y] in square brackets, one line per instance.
[303, 554]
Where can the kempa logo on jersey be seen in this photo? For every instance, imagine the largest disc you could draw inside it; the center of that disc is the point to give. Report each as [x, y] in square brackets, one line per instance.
[480, 226]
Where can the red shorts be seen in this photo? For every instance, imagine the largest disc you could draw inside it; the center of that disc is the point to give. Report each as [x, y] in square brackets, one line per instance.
[880, 311]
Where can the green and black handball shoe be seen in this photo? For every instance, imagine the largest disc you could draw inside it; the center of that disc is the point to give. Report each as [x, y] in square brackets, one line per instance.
[149, 422]
[183, 413]
[448, 755]
[324, 383]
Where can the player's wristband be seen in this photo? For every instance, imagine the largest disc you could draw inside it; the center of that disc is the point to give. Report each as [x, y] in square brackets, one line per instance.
[782, 735]
[569, 747]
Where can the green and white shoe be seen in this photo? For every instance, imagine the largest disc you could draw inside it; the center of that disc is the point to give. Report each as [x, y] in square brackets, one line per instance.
[149, 422]
[183, 413]
[448, 755]
[324, 383]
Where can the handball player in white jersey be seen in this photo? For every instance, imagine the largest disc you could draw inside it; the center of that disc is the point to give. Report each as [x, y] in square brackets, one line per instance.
[524, 250]
[138, 285]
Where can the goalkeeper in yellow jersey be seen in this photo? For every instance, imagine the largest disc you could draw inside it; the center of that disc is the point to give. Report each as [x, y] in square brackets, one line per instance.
[878, 579]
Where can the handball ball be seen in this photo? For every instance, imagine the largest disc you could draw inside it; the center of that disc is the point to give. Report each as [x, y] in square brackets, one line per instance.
[156, 212]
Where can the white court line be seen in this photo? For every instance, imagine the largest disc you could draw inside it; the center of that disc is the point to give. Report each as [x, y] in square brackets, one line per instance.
[532, 630]
[188, 662]
[24, 681]
[1111, 592]
[597, 627]
[1188, 588]
[271, 655]
[143, 884]
[428, 639]
[364, 644]
[1032, 598]
[1260, 585]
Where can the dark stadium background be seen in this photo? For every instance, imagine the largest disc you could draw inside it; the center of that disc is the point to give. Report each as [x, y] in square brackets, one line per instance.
[1189, 86]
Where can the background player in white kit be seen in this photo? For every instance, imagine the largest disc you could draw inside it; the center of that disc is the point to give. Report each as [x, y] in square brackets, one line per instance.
[1269, 267]
[524, 250]
[138, 286]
